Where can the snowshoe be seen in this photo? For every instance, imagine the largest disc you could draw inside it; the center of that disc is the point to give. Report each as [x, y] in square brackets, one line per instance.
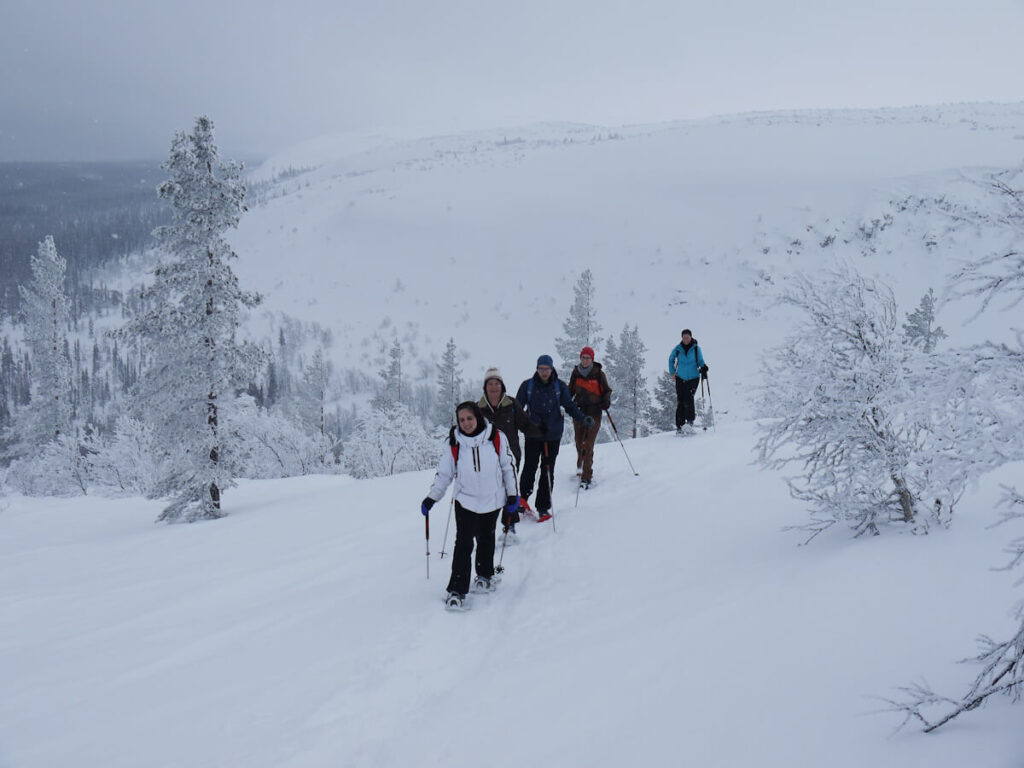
[455, 602]
[543, 515]
[524, 507]
[480, 584]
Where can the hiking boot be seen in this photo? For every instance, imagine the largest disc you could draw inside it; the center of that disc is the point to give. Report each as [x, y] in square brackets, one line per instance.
[483, 585]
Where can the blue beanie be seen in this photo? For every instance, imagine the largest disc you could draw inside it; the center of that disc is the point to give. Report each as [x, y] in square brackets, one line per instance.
[545, 360]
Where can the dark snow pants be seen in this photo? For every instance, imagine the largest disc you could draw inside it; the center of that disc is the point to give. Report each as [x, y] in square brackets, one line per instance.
[686, 412]
[533, 454]
[470, 526]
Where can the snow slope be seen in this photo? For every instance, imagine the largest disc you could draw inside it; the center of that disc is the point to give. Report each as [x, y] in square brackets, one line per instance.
[480, 236]
[666, 622]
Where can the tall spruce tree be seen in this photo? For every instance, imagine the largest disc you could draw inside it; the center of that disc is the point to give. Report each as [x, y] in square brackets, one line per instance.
[46, 309]
[919, 329]
[390, 392]
[625, 362]
[581, 328]
[188, 328]
[449, 386]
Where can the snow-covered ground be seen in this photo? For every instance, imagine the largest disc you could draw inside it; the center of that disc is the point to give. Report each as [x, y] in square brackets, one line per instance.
[668, 621]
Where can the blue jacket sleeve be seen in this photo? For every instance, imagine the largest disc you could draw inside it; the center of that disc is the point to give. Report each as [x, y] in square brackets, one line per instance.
[672, 359]
[569, 404]
[700, 358]
[521, 395]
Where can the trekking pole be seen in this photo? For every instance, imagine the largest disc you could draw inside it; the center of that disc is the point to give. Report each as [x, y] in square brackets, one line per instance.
[426, 528]
[710, 413]
[499, 568]
[551, 488]
[579, 484]
[450, 508]
[612, 422]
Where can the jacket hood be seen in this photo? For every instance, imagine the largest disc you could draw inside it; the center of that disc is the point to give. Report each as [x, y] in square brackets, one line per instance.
[505, 401]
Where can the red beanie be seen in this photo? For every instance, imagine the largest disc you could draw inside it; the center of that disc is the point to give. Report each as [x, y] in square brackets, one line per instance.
[588, 351]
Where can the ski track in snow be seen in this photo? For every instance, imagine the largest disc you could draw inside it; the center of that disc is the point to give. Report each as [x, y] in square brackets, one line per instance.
[667, 622]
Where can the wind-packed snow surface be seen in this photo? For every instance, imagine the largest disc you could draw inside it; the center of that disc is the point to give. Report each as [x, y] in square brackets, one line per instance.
[667, 621]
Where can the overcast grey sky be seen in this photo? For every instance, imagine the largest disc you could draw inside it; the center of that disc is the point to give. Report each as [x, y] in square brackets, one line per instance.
[113, 79]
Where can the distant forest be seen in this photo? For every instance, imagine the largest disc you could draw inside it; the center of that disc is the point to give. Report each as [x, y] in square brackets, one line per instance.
[96, 212]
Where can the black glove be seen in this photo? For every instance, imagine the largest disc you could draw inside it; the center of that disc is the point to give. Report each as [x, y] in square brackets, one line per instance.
[588, 421]
[426, 505]
[703, 371]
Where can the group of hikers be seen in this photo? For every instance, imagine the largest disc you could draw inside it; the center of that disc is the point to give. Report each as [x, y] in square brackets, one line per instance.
[484, 452]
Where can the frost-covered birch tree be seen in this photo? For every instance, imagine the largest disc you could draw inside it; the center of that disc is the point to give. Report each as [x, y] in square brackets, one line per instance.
[841, 401]
[188, 328]
[580, 327]
[994, 434]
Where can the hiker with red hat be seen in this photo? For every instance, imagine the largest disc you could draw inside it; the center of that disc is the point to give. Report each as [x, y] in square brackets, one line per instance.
[590, 390]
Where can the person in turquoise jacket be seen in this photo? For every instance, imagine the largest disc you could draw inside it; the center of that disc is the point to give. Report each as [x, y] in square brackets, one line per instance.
[686, 364]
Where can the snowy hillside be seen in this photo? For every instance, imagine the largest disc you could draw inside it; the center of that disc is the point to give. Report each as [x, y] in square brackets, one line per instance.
[481, 236]
[667, 622]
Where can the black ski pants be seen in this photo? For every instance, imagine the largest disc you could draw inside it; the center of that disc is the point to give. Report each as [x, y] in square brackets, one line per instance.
[686, 411]
[470, 526]
[535, 453]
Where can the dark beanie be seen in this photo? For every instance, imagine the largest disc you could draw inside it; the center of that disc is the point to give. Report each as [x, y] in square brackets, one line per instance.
[545, 360]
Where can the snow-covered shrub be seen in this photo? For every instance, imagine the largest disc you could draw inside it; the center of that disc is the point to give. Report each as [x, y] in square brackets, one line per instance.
[388, 442]
[61, 468]
[131, 460]
[272, 445]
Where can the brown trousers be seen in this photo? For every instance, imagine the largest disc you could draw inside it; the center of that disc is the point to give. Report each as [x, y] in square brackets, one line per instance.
[585, 439]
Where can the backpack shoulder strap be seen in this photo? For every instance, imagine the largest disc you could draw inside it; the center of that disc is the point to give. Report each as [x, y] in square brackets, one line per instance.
[496, 439]
[453, 444]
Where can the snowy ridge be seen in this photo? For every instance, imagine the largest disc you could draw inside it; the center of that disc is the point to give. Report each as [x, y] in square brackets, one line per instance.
[379, 239]
[667, 621]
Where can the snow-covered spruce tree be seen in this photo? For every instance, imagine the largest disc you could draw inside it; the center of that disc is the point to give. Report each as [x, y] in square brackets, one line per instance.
[50, 460]
[390, 392]
[46, 310]
[580, 327]
[998, 437]
[625, 362]
[839, 401]
[919, 329]
[449, 386]
[663, 412]
[388, 442]
[188, 327]
[312, 396]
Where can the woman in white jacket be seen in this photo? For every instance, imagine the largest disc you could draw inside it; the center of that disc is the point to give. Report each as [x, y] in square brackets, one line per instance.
[480, 463]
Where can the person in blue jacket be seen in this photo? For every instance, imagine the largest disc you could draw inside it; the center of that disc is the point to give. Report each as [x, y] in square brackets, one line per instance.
[686, 364]
[544, 396]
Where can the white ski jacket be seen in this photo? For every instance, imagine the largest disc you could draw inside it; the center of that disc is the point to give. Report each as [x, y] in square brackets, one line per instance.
[484, 477]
